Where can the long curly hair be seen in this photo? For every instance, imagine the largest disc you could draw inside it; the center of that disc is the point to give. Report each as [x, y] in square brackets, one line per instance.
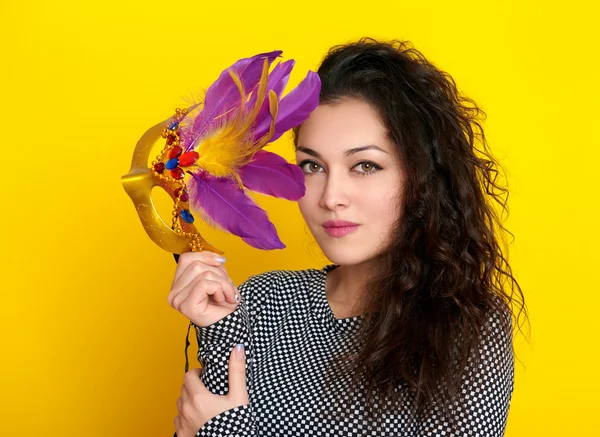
[445, 268]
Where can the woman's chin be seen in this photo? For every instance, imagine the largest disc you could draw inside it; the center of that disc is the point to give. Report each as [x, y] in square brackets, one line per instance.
[345, 256]
[348, 254]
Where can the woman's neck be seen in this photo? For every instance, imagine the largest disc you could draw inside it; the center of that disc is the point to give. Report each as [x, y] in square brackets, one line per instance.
[343, 287]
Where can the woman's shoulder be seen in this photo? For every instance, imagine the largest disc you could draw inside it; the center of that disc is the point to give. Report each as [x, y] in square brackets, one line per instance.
[499, 321]
[284, 279]
[278, 287]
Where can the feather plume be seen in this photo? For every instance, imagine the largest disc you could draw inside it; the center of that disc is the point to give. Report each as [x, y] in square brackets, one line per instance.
[232, 146]
[278, 79]
[243, 112]
[222, 97]
[270, 174]
[228, 206]
[294, 108]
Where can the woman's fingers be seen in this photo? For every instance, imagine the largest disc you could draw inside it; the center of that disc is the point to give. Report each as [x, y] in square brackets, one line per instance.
[216, 291]
[227, 286]
[193, 276]
[200, 289]
[194, 299]
[184, 394]
[206, 257]
[238, 391]
[192, 271]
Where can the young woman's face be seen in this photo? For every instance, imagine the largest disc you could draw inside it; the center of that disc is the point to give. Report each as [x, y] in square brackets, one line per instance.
[353, 174]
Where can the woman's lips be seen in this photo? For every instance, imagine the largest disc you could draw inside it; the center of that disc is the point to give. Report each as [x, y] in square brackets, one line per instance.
[340, 231]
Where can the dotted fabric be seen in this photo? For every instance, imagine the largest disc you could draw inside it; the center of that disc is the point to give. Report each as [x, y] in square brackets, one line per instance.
[291, 334]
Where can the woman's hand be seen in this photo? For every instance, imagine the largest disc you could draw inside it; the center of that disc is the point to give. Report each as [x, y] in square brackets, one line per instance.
[197, 404]
[201, 289]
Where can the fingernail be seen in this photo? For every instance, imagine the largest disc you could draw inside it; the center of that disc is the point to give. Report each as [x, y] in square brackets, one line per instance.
[237, 298]
[239, 351]
[220, 259]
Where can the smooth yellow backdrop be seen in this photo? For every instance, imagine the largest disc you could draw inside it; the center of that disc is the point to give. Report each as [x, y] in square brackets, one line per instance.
[89, 344]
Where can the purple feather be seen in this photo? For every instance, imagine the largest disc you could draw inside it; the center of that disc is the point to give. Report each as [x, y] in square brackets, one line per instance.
[270, 174]
[223, 95]
[228, 206]
[294, 108]
[278, 79]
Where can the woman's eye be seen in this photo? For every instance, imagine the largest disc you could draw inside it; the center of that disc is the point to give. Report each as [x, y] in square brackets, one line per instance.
[367, 167]
[309, 166]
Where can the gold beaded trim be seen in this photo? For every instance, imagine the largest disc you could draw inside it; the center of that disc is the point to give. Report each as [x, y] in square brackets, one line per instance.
[196, 242]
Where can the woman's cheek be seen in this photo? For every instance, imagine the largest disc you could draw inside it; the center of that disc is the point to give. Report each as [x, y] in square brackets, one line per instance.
[305, 204]
[311, 194]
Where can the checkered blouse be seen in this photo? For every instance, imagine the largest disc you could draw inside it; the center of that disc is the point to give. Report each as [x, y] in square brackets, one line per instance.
[290, 334]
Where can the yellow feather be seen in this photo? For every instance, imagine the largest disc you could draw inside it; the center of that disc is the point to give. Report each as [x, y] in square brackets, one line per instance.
[274, 110]
[238, 83]
[262, 88]
[231, 146]
[220, 154]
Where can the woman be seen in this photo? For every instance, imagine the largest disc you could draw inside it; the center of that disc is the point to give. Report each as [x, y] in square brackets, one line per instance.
[409, 330]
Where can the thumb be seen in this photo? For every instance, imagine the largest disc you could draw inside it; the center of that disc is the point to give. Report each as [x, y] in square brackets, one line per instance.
[237, 375]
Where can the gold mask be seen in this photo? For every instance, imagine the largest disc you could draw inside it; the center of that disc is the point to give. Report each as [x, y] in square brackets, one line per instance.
[181, 236]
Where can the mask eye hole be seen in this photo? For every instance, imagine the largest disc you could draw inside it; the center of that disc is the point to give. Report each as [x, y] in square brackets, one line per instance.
[163, 204]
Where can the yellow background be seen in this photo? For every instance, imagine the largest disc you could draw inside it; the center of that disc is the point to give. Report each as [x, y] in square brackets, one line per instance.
[89, 344]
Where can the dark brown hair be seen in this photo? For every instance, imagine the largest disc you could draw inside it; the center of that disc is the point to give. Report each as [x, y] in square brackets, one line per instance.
[445, 269]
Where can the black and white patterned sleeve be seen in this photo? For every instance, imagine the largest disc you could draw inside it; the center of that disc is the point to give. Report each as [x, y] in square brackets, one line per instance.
[235, 422]
[215, 344]
[486, 389]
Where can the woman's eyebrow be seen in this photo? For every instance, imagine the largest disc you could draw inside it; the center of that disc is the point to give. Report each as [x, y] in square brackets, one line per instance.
[360, 149]
[308, 151]
[346, 153]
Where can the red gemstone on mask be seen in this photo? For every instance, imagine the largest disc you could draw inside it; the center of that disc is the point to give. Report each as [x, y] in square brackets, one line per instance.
[159, 167]
[170, 139]
[175, 152]
[188, 158]
[184, 196]
[177, 173]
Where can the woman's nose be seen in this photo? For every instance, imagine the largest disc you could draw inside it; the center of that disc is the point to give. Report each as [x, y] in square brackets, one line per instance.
[334, 193]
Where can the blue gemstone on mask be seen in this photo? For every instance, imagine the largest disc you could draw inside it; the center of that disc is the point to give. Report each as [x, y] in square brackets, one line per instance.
[173, 125]
[187, 216]
[172, 163]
